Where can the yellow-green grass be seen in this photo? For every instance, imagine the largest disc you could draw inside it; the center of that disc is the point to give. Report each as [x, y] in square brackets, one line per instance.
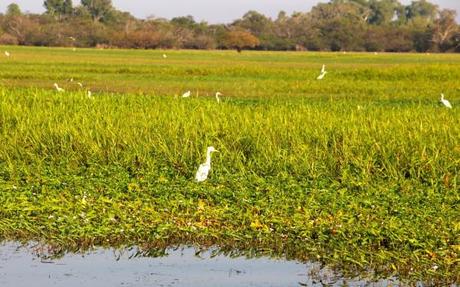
[359, 171]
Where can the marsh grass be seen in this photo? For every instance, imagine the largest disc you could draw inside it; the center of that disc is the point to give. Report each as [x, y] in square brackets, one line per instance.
[313, 171]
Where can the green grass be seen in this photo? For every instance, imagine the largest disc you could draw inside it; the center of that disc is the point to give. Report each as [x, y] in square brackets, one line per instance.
[359, 171]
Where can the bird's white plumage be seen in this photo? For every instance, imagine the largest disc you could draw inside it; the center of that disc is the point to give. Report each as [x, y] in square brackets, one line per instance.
[89, 95]
[203, 170]
[58, 88]
[218, 94]
[445, 102]
[186, 94]
[323, 73]
[165, 56]
[7, 53]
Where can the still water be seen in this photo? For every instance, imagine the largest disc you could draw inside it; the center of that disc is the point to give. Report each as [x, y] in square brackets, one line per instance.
[21, 267]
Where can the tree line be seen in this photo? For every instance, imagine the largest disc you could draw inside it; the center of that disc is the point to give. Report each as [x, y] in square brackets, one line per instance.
[339, 25]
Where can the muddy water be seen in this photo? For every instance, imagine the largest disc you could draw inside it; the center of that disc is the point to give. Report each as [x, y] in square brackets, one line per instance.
[20, 267]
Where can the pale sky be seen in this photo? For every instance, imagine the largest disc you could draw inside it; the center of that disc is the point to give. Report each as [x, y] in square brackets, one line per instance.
[212, 11]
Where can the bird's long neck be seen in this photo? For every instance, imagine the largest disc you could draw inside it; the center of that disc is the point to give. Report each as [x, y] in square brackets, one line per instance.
[208, 158]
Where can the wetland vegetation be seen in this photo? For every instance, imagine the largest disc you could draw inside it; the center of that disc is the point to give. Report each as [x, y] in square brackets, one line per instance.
[359, 171]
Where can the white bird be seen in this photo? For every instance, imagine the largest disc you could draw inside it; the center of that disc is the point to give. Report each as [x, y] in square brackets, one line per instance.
[217, 96]
[7, 53]
[72, 38]
[89, 95]
[323, 73]
[203, 170]
[58, 88]
[164, 56]
[186, 94]
[445, 102]
[80, 84]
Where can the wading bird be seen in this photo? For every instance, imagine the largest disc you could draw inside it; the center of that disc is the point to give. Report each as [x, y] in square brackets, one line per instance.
[89, 95]
[186, 94]
[164, 56]
[323, 73]
[445, 102]
[217, 96]
[7, 53]
[80, 84]
[58, 88]
[203, 170]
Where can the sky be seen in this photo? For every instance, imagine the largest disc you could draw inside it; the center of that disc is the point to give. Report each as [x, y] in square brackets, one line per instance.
[212, 11]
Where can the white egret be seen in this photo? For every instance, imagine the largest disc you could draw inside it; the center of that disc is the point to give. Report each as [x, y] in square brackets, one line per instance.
[58, 88]
[7, 53]
[445, 102]
[72, 38]
[74, 49]
[89, 95]
[165, 56]
[80, 84]
[203, 170]
[186, 94]
[217, 96]
[323, 73]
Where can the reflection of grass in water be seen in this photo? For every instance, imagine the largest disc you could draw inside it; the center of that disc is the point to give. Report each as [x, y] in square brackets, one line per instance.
[309, 177]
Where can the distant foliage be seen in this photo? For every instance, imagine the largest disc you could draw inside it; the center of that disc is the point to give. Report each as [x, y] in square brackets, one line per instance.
[240, 39]
[340, 25]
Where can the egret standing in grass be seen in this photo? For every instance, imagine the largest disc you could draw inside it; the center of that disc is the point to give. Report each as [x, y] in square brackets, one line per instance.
[186, 94]
[323, 73]
[58, 88]
[7, 53]
[203, 170]
[217, 96]
[165, 56]
[89, 95]
[445, 102]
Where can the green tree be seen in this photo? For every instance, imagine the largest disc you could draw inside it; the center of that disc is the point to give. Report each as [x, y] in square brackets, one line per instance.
[258, 24]
[184, 21]
[422, 9]
[384, 11]
[100, 10]
[13, 10]
[58, 7]
[337, 26]
[67, 9]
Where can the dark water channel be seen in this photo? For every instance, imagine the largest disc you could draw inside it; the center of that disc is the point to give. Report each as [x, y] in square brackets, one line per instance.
[20, 266]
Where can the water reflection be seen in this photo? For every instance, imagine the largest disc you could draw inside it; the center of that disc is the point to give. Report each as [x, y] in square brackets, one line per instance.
[21, 266]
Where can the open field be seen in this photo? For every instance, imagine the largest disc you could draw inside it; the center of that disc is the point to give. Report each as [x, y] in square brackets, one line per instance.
[360, 171]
